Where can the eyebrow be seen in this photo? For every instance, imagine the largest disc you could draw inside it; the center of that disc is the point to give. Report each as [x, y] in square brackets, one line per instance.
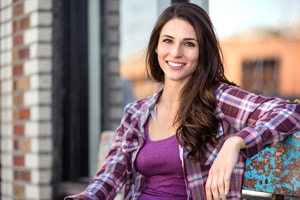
[169, 36]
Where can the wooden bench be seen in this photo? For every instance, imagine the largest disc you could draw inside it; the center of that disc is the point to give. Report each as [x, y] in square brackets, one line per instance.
[275, 170]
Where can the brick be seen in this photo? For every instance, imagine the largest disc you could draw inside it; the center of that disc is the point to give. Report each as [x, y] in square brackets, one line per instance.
[6, 174]
[15, 115]
[19, 160]
[26, 176]
[7, 144]
[6, 29]
[36, 66]
[25, 23]
[40, 50]
[41, 145]
[18, 99]
[7, 101]
[34, 5]
[6, 160]
[17, 175]
[37, 34]
[40, 82]
[24, 114]
[40, 113]
[6, 116]
[6, 14]
[40, 19]
[24, 145]
[16, 25]
[6, 58]
[32, 98]
[15, 85]
[41, 176]
[35, 161]
[18, 70]
[14, 55]
[17, 9]
[16, 145]
[23, 53]
[19, 190]
[6, 43]
[34, 129]
[23, 84]
[6, 72]
[6, 189]
[30, 6]
[18, 40]
[6, 130]
[38, 192]
[19, 130]
[5, 3]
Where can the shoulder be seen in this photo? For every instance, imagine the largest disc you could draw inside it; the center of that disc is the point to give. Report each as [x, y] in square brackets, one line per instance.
[144, 103]
[136, 105]
[234, 94]
[230, 90]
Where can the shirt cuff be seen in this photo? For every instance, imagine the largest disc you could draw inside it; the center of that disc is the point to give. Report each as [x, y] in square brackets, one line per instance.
[253, 141]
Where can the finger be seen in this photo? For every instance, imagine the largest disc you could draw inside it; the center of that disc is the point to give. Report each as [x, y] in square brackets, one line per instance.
[227, 182]
[221, 186]
[214, 187]
[208, 188]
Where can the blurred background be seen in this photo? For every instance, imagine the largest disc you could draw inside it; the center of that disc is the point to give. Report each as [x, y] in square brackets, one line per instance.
[69, 67]
[259, 39]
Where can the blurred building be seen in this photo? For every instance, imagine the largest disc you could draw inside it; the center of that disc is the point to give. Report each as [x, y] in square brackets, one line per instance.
[265, 61]
[60, 88]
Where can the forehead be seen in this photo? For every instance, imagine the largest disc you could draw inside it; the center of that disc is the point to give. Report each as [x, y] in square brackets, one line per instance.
[178, 27]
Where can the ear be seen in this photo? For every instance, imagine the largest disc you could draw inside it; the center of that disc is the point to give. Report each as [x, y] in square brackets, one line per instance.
[156, 50]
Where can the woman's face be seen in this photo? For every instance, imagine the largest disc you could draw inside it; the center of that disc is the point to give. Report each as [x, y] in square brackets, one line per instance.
[177, 50]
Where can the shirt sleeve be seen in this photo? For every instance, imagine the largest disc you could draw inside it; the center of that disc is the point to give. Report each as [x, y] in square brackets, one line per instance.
[259, 120]
[111, 177]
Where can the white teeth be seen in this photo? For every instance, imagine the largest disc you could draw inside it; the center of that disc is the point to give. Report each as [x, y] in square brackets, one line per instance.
[176, 64]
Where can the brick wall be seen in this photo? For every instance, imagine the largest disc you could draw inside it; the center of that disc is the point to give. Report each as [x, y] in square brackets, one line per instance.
[26, 143]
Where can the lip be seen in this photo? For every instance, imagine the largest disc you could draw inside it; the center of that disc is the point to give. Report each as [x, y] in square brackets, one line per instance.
[175, 65]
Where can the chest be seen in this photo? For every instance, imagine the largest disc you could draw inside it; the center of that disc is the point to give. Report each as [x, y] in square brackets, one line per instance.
[162, 125]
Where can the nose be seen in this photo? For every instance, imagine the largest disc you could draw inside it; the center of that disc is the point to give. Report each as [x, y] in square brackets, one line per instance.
[176, 51]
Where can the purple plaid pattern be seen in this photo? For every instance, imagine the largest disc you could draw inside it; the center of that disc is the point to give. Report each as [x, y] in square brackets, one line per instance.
[259, 120]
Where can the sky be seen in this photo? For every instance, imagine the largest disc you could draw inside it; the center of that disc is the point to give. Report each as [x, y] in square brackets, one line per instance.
[228, 16]
[235, 16]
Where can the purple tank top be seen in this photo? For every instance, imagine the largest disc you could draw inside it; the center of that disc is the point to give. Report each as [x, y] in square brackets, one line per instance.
[160, 163]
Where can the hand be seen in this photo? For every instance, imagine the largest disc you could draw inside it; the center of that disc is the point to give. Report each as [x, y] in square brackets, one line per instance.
[218, 181]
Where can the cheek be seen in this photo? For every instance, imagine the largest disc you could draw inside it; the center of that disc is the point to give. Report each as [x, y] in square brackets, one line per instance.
[196, 56]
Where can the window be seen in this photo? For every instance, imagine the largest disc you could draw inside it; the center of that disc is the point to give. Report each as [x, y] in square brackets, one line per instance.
[261, 76]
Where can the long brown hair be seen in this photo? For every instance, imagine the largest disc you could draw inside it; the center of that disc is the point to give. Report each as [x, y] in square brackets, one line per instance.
[196, 117]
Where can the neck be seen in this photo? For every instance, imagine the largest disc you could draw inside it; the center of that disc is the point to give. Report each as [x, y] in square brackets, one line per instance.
[171, 93]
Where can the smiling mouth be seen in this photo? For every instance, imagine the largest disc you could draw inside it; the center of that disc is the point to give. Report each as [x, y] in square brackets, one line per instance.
[177, 65]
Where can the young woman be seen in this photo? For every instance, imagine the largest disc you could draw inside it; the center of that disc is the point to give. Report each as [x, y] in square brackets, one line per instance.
[191, 138]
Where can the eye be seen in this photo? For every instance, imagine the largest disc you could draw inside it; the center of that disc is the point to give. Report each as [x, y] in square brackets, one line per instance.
[190, 44]
[167, 41]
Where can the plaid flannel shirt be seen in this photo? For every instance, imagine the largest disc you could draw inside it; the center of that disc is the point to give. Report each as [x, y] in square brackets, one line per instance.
[259, 120]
